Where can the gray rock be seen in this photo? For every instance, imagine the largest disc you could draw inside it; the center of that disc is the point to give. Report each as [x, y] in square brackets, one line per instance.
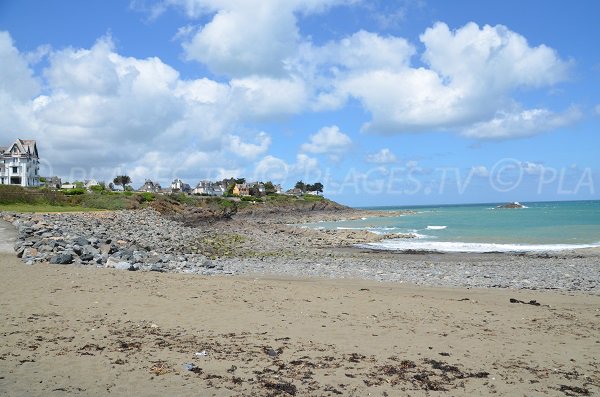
[81, 241]
[62, 259]
[86, 257]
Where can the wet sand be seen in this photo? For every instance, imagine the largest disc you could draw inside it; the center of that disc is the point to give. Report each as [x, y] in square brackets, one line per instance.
[80, 330]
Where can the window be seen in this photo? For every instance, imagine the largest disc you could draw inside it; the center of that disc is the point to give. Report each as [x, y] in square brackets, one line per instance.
[15, 170]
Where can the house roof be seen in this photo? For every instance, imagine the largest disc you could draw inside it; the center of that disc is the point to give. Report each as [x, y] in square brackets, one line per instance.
[24, 146]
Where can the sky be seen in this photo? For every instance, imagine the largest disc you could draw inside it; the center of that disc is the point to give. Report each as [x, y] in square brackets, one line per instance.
[397, 102]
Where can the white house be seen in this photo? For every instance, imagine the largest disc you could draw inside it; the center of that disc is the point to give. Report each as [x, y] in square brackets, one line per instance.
[19, 164]
[208, 188]
[179, 186]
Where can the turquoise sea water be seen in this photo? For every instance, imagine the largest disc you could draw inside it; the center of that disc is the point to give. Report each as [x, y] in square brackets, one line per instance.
[540, 226]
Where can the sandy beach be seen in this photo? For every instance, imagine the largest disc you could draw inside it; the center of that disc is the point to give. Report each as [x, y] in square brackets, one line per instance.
[82, 330]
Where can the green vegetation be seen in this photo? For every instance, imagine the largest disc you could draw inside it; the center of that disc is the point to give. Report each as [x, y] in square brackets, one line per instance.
[21, 207]
[75, 192]
[122, 180]
[311, 197]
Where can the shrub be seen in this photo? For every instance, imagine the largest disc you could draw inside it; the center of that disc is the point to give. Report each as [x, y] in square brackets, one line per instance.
[97, 188]
[75, 192]
[147, 196]
[250, 198]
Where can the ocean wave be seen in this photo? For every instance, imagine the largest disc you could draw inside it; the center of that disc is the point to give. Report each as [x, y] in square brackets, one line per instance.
[442, 246]
[436, 227]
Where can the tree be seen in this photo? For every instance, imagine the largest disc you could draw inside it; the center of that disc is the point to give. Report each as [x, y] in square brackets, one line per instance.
[317, 187]
[111, 186]
[269, 187]
[240, 181]
[122, 180]
[300, 185]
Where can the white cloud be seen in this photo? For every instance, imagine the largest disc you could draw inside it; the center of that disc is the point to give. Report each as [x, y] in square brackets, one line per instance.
[109, 111]
[522, 124]
[597, 109]
[264, 96]
[384, 156]
[531, 168]
[247, 37]
[328, 140]
[469, 77]
[271, 168]
[16, 78]
[249, 150]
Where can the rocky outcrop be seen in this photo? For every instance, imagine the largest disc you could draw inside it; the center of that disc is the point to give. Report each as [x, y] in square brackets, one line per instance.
[514, 204]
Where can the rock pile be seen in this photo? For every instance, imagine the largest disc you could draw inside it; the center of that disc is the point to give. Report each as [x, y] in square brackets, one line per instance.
[129, 240]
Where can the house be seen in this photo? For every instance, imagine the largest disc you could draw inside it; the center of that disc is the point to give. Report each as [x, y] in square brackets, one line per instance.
[295, 192]
[90, 182]
[278, 189]
[179, 186]
[68, 186]
[150, 187]
[208, 188]
[241, 189]
[19, 163]
[257, 189]
[53, 182]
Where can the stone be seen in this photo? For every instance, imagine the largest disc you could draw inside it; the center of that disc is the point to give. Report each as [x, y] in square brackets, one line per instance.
[62, 259]
[86, 257]
[81, 241]
[156, 267]
[124, 266]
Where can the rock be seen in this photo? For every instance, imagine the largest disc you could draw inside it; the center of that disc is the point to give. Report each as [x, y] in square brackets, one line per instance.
[62, 259]
[124, 266]
[156, 267]
[514, 204]
[81, 241]
[86, 257]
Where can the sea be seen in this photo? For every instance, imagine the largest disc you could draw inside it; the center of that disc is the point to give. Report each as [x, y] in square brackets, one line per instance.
[539, 226]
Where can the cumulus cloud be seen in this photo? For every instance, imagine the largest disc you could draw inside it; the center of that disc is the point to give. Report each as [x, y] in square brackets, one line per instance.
[246, 37]
[249, 150]
[110, 111]
[328, 140]
[16, 78]
[522, 124]
[384, 156]
[469, 76]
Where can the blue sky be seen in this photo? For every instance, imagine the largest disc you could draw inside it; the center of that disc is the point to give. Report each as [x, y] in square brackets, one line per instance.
[385, 102]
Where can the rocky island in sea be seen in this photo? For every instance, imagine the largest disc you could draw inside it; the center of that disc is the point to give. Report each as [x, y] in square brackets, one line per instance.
[514, 204]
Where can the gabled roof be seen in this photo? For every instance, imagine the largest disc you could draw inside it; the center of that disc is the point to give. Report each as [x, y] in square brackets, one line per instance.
[24, 146]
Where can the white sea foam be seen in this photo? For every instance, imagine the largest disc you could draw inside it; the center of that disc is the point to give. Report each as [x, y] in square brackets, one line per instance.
[436, 227]
[441, 246]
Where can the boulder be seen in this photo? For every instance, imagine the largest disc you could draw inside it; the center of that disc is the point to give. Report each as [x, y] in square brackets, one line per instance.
[81, 241]
[62, 259]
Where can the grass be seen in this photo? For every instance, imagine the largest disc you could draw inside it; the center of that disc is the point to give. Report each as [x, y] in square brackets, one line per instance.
[24, 207]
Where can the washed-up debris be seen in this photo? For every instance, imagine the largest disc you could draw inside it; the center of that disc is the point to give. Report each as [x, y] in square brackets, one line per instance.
[285, 387]
[531, 302]
[192, 368]
[160, 368]
[272, 352]
[574, 390]
[203, 353]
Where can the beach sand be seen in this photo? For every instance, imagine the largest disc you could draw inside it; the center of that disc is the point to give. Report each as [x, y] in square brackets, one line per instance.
[80, 330]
